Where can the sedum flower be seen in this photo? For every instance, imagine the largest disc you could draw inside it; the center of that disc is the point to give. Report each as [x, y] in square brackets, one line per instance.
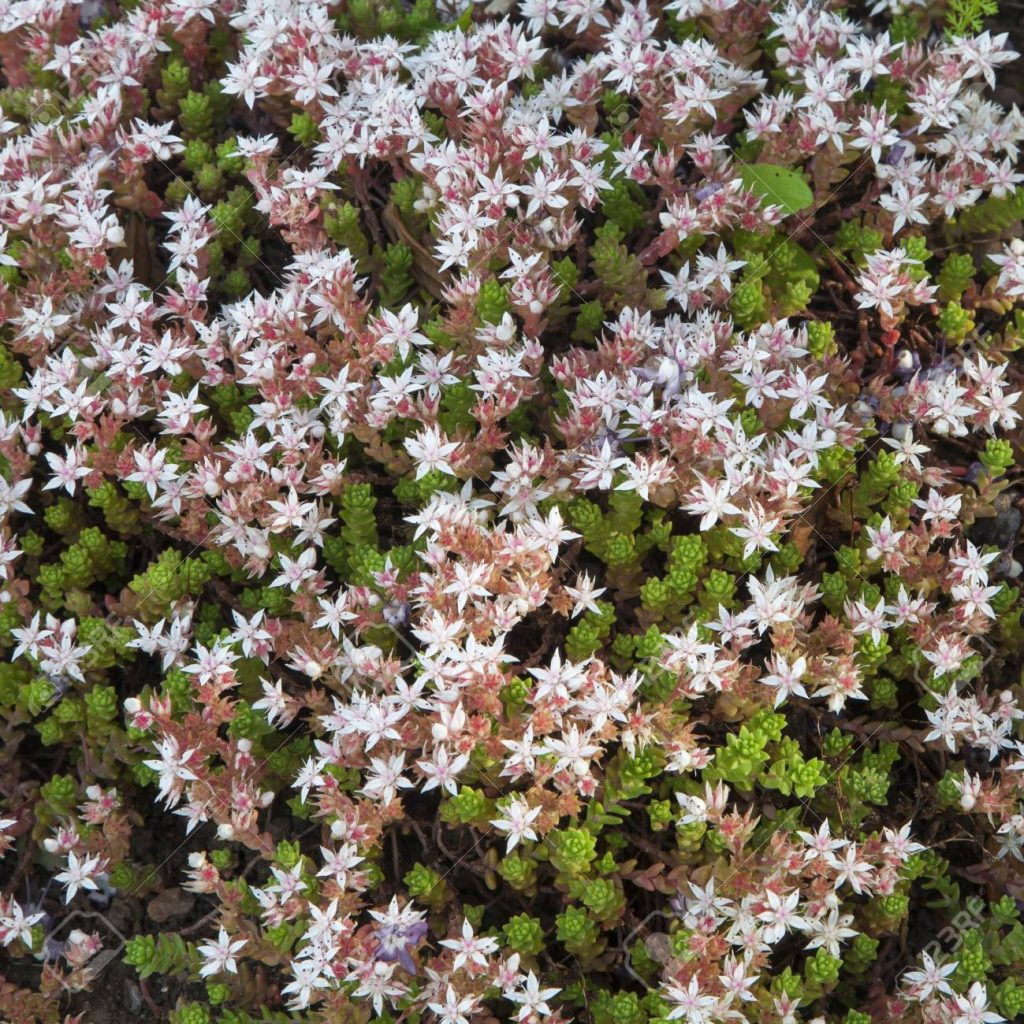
[219, 955]
[517, 821]
[80, 873]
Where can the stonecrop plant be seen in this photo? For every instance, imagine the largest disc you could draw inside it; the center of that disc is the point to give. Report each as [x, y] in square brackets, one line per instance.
[510, 512]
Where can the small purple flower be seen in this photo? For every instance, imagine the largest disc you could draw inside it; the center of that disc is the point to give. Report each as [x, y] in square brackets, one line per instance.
[53, 949]
[973, 471]
[895, 155]
[679, 905]
[867, 405]
[396, 941]
[396, 614]
[708, 190]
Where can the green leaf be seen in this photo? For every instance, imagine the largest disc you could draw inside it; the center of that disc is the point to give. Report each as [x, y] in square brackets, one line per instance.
[778, 185]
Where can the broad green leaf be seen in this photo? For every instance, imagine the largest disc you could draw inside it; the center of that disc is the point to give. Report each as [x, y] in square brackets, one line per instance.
[778, 185]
